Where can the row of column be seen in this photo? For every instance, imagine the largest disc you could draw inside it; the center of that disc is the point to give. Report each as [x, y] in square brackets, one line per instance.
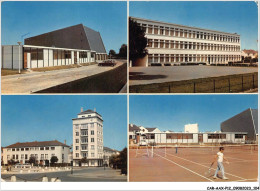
[177, 32]
[170, 58]
[154, 43]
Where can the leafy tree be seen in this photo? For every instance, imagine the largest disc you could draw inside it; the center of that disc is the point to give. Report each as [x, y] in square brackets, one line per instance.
[54, 159]
[123, 161]
[84, 160]
[137, 41]
[119, 161]
[123, 51]
[11, 162]
[32, 160]
[112, 53]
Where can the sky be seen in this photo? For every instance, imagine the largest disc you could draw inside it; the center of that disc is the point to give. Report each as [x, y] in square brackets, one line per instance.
[49, 117]
[228, 16]
[109, 18]
[172, 112]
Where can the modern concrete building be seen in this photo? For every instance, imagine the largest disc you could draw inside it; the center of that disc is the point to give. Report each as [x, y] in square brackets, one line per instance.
[72, 45]
[191, 128]
[170, 43]
[108, 152]
[88, 138]
[246, 121]
[42, 151]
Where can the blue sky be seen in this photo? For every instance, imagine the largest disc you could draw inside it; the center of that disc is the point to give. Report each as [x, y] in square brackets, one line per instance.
[42, 118]
[173, 112]
[227, 16]
[109, 18]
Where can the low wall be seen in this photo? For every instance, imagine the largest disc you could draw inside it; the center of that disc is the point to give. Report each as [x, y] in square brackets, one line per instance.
[107, 82]
[221, 84]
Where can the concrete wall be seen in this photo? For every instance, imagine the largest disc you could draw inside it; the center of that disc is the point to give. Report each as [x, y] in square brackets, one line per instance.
[111, 81]
[11, 56]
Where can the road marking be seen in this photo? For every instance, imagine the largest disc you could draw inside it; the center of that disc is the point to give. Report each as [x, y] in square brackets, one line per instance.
[203, 165]
[183, 167]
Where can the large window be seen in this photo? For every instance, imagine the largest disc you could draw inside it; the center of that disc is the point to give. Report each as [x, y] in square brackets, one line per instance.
[55, 54]
[216, 136]
[238, 136]
[67, 54]
[33, 53]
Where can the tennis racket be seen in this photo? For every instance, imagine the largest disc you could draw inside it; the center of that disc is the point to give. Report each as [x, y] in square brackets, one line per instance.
[209, 170]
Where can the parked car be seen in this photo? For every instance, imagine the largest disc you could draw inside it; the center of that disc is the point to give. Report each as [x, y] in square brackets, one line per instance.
[143, 143]
[107, 63]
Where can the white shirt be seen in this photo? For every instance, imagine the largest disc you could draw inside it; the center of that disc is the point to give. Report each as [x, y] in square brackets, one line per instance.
[220, 156]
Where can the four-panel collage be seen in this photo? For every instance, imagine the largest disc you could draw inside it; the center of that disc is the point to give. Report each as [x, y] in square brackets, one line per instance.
[128, 91]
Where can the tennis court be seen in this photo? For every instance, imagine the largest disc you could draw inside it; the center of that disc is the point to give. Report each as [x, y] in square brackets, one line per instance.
[192, 163]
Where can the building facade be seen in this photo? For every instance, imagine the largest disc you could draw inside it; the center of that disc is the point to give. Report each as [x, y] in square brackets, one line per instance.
[137, 135]
[246, 121]
[88, 138]
[176, 44]
[42, 151]
[72, 45]
[191, 128]
[108, 152]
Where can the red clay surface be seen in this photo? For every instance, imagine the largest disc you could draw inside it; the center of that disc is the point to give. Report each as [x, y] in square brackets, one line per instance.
[191, 165]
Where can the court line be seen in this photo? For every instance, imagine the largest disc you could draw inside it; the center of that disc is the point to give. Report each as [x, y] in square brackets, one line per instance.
[245, 180]
[203, 165]
[183, 167]
[232, 162]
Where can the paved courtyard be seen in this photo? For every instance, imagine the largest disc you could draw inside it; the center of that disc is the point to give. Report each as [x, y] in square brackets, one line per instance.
[36, 81]
[150, 75]
[84, 174]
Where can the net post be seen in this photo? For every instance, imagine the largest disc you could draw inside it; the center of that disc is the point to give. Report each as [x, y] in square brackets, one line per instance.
[136, 152]
[152, 152]
[165, 151]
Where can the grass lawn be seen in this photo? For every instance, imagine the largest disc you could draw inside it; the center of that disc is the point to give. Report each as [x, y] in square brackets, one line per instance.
[6, 72]
[88, 64]
[55, 68]
[222, 84]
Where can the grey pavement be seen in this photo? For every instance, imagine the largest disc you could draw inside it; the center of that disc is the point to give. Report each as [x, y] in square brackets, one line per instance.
[149, 75]
[83, 174]
[36, 81]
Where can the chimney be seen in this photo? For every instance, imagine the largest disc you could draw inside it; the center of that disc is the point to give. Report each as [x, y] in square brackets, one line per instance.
[65, 141]
[81, 109]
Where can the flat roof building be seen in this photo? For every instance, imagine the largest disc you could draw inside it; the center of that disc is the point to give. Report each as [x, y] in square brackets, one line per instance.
[72, 45]
[42, 151]
[170, 43]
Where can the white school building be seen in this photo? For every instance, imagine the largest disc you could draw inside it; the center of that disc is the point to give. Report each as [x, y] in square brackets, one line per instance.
[170, 43]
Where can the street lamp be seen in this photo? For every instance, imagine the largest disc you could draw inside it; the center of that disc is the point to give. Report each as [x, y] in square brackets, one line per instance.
[19, 56]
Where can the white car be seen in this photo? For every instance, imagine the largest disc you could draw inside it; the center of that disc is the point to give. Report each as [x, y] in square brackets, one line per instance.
[143, 143]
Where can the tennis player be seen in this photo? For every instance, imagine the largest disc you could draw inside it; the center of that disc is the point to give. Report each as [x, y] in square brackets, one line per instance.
[220, 158]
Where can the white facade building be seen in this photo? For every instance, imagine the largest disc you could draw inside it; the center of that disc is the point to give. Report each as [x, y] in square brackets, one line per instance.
[157, 137]
[41, 56]
[175, 44]
[42, 151]
[191, 128]
[88, 138]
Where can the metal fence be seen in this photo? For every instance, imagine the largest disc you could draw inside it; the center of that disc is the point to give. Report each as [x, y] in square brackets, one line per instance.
[223, 84]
